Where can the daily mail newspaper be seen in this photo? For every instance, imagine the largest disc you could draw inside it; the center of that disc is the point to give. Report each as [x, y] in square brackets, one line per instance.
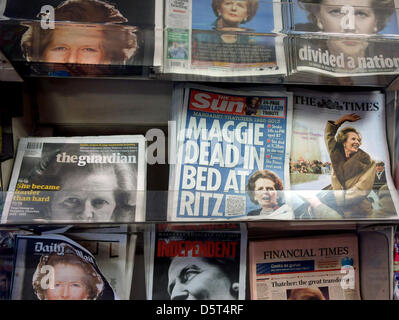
[53, 267]
[113, 246]
[114, 254]
[339, 156]
[345, 38]
[215, 38]
[312, 268]
[78, 179]
[232, 154]
[198, 262]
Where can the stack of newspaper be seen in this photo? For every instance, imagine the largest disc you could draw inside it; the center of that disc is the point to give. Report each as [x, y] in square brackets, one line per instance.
[83, 37]
[339, 161]
[78, 179]
[230, 145]
[196, 262]
[234, 150]
[309, 268]
[345, 38]
[84, 265]
[212, 38]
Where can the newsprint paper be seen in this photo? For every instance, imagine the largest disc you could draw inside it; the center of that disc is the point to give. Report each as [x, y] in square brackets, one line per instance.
[53, 267]
[214, 38]
[311, 268]
[198, 262]
[340, 164]
[114, 254]
[118, 34]
[229, 145]
[345, 38]
[78, 179]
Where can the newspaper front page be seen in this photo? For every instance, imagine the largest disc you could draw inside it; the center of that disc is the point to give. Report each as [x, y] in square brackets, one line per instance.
[83, 37]
[213, 38]
[198, 262]
[53, 267]
[345, 38]
[339, 162]
[313, 268]
[232, 155]
[111, 251]
[78, 179]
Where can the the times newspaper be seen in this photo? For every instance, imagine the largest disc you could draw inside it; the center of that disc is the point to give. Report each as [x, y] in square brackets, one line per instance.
[230, 145]
[352, 38]
[312, 268]
[209, 38]
[200, 262]
[53, 267]
[339, 161]
[75, 37]
[78, 179]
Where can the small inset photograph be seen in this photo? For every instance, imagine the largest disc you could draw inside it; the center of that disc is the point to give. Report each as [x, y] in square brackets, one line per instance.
[314, 293]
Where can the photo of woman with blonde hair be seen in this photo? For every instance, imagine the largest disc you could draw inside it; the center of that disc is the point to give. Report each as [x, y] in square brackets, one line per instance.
[353, 168]
[231, 14]
[55, 267]
[238, 34]
[265, 189]
[86, 32]
[71, 277]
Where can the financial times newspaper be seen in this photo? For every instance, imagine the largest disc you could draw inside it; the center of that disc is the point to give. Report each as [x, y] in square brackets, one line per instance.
[200, 262]
[53, 267]
[354, 38]
[78, 179]
[340, 156]
[314, 268]
[209, 38]
[229, 146]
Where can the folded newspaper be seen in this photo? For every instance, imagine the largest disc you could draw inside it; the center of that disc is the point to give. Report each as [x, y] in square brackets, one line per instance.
[197, 262]
[232, 154]
[75, 37]
[78, 179]
[344, 38]
[53, 267]
[339, 163]
[114, 255]
[378, 18]
[308, 268]
[216, 38]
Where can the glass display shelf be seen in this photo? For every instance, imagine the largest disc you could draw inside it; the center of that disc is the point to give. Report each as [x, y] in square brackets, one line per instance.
[297, 208]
